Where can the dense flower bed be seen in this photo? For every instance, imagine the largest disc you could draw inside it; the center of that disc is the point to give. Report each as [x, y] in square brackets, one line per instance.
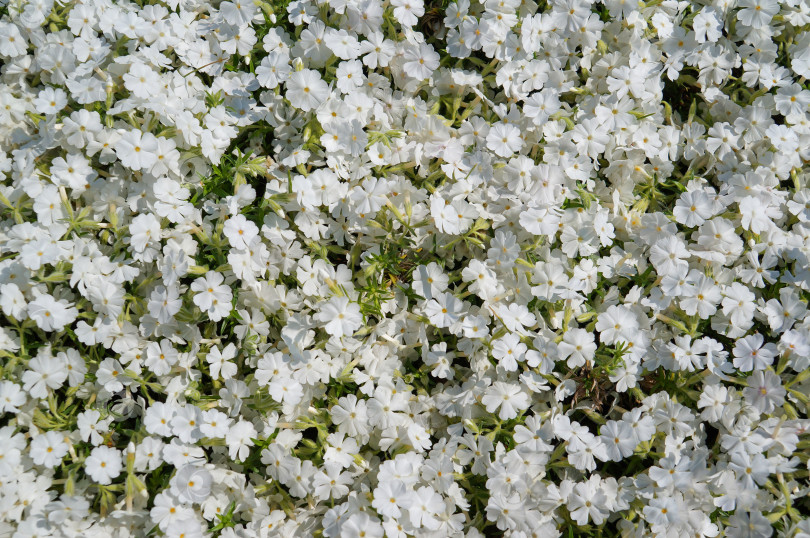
[360, 268]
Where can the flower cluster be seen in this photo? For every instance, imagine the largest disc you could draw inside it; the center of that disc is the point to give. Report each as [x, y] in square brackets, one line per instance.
[344, 268]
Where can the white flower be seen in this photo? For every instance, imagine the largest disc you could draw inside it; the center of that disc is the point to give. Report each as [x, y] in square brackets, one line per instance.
[51, 314]
[110, 375]
[164, 303]
[91, 427]
[240, 231]
[764, 391]
[708, 25]
[144, 231]
[444, 311]
[509, 350]
[407, 12]
[48, 449]
[219, 362]
[103, 464]
[12, 301]
[506, 396]
[239, 440]
[141, 80]
[616, 324]
[420, 61]
[306, 90]
[339, 316]
[11, 397]
[12, 43]
[423, 505]
[692, 208]
[191, 484]
[577, 346]
[504, 139]
[212, 296]
[50, 101]
[44, 372]
[137, 150]
[160, 357]
[588, 502]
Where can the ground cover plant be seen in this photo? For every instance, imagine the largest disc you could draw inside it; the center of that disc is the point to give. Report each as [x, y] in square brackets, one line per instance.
[347, 268]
